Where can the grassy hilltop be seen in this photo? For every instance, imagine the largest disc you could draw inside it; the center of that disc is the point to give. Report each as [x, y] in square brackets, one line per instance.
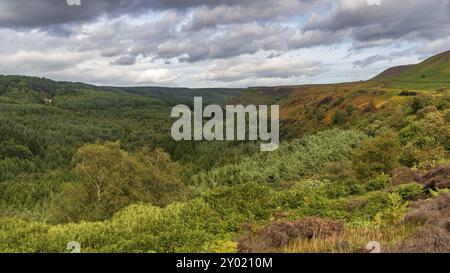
[429, 74]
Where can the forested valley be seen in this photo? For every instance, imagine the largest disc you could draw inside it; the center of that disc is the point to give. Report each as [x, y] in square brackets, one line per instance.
[358, 162]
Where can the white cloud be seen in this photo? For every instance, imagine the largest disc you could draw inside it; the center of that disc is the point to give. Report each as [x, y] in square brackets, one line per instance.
[30, 62]
[251, 68]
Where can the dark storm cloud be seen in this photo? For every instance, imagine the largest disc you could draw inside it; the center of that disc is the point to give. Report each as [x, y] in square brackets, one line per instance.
[161, 40]
[125, 60]
[394, 19]
[45, 13]
[249, 11]
[48, 13]
[387, 57]
[192, 37]
[370, 60]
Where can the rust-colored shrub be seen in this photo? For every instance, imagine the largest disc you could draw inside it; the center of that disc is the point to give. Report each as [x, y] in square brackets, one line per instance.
[315, 227]
[433, 235]
[437, 178]
[403, 175]
[356, 204]
[327, 100]
[280, 233]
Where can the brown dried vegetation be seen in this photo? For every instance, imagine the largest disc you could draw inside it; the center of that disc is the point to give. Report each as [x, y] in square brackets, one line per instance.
[436, 178]
[433, 235]
[281, 233]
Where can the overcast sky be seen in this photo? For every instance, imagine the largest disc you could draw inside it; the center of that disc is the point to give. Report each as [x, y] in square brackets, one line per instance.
[207, 43]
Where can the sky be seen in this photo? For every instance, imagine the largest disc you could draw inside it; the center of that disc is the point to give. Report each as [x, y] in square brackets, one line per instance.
[213, 43]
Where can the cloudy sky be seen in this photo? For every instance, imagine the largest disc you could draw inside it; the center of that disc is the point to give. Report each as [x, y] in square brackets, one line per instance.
[229, 43]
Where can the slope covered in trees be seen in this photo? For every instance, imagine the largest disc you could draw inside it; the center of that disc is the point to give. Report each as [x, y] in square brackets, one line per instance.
[185, 95]
[358, 162]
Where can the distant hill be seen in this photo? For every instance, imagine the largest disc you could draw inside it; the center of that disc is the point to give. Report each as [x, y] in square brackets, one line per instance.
[184, 95]
[434, 72]
[393, 72]
[35, 89]
[307, 108]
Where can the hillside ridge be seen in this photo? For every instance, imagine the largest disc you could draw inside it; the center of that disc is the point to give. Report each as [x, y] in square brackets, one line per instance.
[429, 73]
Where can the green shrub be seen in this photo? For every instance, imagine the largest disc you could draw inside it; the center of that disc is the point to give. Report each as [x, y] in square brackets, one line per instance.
[292, 161]
[410, 191]
[378, 155]
[16, 151]
[189, 227]
[243, 203]
[378, 183]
